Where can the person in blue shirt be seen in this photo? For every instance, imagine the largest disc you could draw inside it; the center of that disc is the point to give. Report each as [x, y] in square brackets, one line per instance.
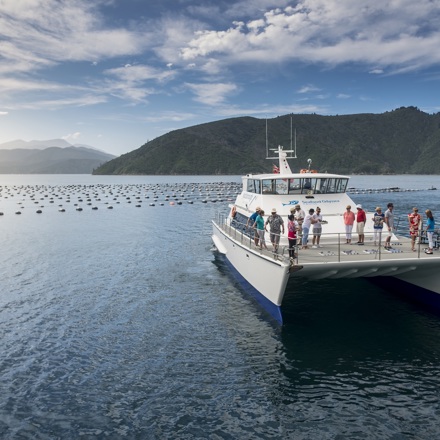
[430, 226]
[259, 224]
[250, 224]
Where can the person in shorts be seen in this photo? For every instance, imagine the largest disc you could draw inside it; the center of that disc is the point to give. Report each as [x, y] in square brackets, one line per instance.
[276, 224]
[389, 221]
[259, 225]
[317, 228]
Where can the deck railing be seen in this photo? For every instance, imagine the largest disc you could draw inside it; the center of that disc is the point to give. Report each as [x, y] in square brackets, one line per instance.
[334, 245]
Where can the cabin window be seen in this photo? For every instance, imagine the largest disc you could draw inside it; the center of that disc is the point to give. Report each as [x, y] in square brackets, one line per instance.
[341, 185]
[257, 186]
[313, 185]
[269, 186]
[294, 186]
[303, 185]
[275, 186]
[253, 186]
[281, 186]
[336, 186]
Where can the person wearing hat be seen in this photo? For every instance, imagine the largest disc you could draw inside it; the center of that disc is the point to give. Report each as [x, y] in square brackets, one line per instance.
[361, 218]
[259, 225]
[349, 218]
[299, 215]
[276, 224]
[378, 220]
[250, 225]
[415, 221]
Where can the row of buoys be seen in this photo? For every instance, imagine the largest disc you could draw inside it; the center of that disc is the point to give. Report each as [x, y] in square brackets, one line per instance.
[159, 194]
[384, 190]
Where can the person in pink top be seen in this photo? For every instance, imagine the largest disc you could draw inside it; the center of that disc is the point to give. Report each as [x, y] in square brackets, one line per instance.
[348, 222]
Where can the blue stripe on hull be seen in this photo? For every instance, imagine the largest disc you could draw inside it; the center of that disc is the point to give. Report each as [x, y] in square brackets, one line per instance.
[415, 293]
[270, 307]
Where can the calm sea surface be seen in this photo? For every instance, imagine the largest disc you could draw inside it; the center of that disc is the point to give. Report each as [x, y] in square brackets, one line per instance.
[119, 322]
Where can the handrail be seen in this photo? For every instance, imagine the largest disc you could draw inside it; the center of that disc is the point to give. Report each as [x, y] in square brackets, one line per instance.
[245, 235]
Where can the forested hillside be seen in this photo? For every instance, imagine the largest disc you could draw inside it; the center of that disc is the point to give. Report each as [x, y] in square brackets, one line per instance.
[405, 140]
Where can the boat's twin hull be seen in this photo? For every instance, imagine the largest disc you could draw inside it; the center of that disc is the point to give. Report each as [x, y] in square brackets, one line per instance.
[266, 278]
[262, 277]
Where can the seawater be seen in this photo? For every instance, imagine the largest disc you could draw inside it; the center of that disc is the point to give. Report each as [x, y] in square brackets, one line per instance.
[122, 323]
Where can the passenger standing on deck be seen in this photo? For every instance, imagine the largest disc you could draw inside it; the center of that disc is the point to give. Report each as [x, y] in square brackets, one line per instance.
[361, 218]
[251, 222]
[430, 225]
[378, 219]
[317, 228]
[276, 228]
[259, 225]
[308, 222]
[389, 221]
[292, 228]
[299, 215]
[415, 221]
[348, 222]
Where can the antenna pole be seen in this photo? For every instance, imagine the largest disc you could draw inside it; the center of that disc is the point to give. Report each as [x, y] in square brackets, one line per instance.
[291, 124]
[295, 144]
[267, 145]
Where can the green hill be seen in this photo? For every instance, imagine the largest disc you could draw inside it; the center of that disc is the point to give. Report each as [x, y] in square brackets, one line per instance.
[405, 140]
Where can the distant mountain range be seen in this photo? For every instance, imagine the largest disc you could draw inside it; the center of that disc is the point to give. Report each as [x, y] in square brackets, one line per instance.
[55, 156]
[402, 141]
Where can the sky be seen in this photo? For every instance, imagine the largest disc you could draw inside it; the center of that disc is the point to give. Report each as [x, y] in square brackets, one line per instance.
[114, 74]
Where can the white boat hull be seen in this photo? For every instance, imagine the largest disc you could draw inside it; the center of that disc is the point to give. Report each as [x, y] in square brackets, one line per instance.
[266, 277]
[263, 277]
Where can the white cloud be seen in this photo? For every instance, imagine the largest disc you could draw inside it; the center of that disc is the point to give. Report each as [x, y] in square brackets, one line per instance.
[4, 113]
[71, 137]
[308, 89]
[40, 33]
[398, 33]
[140, 73]
[211, 93]
[169, 116]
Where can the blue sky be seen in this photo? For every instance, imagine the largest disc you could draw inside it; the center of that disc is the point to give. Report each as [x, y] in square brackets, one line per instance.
[114, 74]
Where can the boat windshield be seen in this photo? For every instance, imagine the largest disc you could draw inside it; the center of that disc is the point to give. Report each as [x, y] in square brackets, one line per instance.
[303, 185]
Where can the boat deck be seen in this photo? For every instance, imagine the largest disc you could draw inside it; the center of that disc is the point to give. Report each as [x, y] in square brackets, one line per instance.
[336, 259]
[332, 250]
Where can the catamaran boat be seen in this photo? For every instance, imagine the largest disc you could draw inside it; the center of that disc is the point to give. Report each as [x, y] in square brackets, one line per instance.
[265, 274]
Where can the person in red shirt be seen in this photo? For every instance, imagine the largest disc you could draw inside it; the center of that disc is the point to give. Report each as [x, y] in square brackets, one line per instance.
[361, 218]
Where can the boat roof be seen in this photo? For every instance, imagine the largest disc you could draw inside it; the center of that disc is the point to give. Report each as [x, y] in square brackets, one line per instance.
[297, 176]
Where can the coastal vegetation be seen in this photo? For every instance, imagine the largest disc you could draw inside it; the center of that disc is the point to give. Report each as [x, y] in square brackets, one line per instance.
[402, 141]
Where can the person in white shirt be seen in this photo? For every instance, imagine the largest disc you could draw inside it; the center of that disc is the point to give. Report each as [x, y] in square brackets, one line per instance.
[299, 215]
[308, 222]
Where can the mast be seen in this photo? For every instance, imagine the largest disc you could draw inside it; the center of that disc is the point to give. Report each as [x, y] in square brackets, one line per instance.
[291, 147]
[267, 144]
